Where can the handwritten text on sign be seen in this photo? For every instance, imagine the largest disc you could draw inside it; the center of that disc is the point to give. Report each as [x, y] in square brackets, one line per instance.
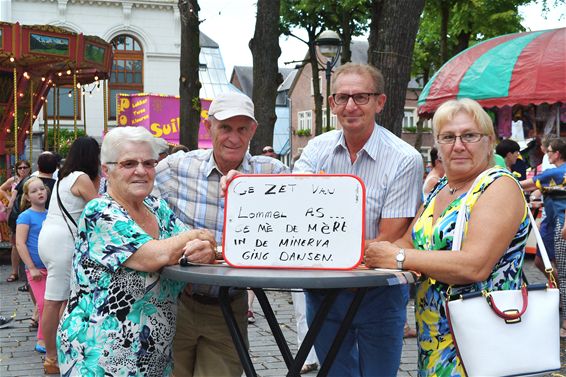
[294, 221]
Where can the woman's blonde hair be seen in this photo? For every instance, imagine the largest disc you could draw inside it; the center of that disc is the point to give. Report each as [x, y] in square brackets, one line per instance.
[448, 110]
[24, 202]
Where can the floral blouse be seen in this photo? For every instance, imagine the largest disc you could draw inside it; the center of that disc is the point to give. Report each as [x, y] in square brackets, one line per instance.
[119, 321]
[436, 354]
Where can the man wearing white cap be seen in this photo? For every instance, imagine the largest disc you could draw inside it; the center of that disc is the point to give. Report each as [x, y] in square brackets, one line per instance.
[190, 183]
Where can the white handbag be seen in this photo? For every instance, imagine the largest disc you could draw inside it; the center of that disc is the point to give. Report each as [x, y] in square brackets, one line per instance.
[506, 333]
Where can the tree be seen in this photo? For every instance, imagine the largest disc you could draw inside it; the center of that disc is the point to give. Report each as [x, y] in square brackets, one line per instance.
[393, 29]
[189, 84]
[462, 23]
[308, 15]
[349, 18]
[266, 79]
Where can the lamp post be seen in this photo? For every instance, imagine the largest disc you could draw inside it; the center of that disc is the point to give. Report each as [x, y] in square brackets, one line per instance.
[329, 44]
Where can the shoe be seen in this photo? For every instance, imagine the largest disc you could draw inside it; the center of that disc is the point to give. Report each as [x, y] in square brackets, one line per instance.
[39, 348]
[12, 277]
[409, 332]
[309, 368]
[5, 321]
[24, 288]
[251, 318]
[51, 366]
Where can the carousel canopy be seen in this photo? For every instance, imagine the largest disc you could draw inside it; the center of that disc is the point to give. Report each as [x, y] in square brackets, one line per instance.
[513, 69]
[34, 58]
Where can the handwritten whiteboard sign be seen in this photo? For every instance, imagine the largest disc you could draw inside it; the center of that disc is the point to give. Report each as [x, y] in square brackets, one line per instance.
[294, 221]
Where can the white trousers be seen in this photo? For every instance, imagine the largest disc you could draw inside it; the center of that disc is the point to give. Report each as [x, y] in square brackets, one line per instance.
[300, 306]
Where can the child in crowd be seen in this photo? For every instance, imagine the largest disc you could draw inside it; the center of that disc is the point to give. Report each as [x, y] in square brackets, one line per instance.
[29, 224]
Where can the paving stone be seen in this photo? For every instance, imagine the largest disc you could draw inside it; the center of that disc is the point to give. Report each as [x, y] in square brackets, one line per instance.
[18, 358]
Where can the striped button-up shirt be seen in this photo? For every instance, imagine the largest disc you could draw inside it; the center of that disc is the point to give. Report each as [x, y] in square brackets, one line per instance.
[190, 184]
[391, 170]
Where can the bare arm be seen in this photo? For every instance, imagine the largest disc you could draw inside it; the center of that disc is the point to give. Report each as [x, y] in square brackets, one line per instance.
[528, 185]
[198, 245]
[404, 240]
[6, 186]
[84, 188]
[22, 231]
[487, 240]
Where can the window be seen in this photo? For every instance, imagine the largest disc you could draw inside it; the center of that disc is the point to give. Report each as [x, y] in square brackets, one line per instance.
[305, 120]
[409, 117]
[127, 69]
[66, 105]
[333, 120]
[319, 85]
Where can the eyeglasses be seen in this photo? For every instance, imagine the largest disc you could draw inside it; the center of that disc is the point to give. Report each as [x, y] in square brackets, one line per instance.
[470, 137]
[267, 150]
[133, 164]
[22, 167]
[359, 98]
[550, 151]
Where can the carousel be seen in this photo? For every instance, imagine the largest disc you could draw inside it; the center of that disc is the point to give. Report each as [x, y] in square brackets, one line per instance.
[35, 59]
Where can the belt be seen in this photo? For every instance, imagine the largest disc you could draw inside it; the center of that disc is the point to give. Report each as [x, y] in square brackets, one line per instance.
[210, 300]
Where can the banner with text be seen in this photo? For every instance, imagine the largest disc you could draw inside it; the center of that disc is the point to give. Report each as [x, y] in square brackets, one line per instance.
[294, 221]
[160, 115]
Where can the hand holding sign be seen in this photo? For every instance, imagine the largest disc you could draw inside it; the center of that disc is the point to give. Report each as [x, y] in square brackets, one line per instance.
[294, 221]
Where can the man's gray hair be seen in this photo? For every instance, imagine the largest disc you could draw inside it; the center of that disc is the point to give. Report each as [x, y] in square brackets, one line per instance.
[112, 145]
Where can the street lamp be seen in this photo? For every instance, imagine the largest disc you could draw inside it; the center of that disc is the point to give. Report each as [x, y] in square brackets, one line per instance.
[329, 45]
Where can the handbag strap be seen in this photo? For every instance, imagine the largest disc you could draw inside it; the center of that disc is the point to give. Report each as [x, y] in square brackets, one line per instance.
[460, 221]
[66, 215]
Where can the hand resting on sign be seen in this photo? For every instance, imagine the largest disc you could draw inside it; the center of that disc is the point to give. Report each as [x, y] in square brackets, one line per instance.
[225, 180]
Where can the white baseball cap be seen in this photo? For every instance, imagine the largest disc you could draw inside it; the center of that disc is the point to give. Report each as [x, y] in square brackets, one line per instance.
[228, 105]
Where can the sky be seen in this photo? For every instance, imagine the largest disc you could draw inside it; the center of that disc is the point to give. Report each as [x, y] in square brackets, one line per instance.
[231, 23]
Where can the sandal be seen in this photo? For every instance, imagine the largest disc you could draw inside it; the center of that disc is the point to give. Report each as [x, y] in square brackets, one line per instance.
[24, 288]
[51, 366]
[34, 323]
[12, 278]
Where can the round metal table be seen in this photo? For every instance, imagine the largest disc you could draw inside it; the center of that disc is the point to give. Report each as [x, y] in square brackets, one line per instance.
[332, 282]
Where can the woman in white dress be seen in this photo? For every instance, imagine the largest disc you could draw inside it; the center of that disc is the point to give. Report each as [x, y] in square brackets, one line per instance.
[77, 185]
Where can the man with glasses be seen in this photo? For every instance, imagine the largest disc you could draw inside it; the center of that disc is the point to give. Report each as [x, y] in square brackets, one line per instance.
[392, 172]
[190, 183]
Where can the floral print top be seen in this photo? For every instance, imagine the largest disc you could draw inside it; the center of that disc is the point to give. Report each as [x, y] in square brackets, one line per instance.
[436, 354]
[119, 321]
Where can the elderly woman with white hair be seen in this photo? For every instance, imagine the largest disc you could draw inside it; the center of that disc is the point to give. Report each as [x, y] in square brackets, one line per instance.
[120, 319]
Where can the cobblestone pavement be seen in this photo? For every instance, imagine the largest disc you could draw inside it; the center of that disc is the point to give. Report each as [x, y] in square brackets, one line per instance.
[18, 358]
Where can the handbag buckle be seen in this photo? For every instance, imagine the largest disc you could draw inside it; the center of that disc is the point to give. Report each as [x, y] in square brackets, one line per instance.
[512, 312]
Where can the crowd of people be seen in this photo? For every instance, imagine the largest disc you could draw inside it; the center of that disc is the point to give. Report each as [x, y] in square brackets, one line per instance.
[93, 249]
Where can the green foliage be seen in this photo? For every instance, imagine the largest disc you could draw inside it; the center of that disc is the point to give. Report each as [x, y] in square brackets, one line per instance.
[304, 132]
[469, 22]
[414, 129]
[65, 139]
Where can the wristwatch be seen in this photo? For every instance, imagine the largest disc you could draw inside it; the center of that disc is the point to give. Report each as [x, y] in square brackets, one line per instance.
[400, 258]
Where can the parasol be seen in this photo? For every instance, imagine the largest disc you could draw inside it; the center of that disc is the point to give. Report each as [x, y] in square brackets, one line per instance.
[514, 69]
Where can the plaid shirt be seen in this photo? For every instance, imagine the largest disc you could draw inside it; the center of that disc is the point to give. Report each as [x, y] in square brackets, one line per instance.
[190, 184]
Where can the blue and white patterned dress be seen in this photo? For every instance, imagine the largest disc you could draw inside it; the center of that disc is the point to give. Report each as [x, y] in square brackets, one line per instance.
[119, 321]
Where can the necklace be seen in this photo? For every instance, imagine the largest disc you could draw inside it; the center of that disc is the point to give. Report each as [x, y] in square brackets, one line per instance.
[452, 190]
